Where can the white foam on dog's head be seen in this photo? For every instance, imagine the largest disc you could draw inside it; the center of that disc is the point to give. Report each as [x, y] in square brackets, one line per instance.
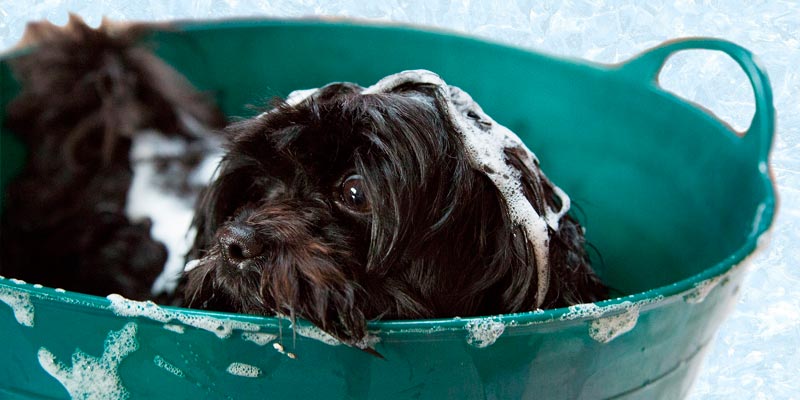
[485, 141]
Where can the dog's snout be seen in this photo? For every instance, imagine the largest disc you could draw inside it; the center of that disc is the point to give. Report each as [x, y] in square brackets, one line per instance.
[240, 243]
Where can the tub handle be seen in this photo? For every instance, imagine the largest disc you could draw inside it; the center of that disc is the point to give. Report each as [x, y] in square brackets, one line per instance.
[758, 136]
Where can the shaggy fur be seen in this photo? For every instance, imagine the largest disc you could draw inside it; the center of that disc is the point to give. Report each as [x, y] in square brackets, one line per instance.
[85, 94]
[278, 234]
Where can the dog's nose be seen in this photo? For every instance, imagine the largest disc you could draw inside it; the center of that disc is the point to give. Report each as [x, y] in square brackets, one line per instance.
[239, 243]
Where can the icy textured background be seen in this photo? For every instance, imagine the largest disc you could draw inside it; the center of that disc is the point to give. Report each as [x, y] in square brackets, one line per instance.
[756, 353]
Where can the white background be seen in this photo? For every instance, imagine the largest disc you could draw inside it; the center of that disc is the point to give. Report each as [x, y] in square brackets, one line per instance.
[755, 355]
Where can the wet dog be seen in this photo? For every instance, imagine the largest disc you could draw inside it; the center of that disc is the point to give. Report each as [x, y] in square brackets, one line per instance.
[96, 111]
[341, 205]
[403, 200]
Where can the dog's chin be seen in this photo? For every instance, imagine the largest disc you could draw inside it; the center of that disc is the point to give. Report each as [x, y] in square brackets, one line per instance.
[281, 284]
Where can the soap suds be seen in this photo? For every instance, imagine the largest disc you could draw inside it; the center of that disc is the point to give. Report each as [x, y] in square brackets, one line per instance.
[20, 303]
[258, 338]
[604, 326]
[312, 332]
[17, 281]
[90, 377]
[296, 97]
[367, 342]
[165, 365]
[244, 370]
[588, 310]
[607, 329]
[174, 328]
[147, 309]
[486, 142]
[484, 332]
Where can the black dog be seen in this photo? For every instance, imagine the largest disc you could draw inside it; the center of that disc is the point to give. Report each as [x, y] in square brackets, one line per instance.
[87, 96]
[341, 205]
[399, 201]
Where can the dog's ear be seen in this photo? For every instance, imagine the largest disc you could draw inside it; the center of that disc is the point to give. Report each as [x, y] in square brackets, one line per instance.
[571, 279]
[523, 279]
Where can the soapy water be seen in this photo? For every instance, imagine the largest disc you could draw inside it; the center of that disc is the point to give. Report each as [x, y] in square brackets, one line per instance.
[244, 370]
[91, 377]
[610, 321]
[165, 365]
[607, 329]
[484, 332]
[20, 303]
[313, 332]
[175, 328]
[259, 338]
[223, 328]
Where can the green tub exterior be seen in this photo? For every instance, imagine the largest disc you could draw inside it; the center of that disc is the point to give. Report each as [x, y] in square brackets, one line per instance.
[674, 200]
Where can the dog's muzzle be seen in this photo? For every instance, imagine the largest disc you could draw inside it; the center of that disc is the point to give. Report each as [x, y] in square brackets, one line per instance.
[239, 244]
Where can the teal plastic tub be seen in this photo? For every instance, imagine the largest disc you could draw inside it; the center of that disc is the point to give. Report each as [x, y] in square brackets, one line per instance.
[674, 200]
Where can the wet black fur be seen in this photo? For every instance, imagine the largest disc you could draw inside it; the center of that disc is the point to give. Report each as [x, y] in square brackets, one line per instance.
[85, 93]
[437, 243]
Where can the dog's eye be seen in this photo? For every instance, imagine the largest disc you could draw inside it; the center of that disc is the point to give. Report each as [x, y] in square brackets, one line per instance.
[354, 195]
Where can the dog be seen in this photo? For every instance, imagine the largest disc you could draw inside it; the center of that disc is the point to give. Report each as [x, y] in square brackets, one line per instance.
[402, 200]
[110, 130]
[341, 205]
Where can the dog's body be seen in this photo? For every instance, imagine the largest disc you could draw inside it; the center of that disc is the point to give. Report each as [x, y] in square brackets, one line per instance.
[346, 204]
[96, 112]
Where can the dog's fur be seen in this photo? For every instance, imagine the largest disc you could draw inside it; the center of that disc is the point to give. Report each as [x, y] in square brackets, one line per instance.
[437, 240]
[85, 94]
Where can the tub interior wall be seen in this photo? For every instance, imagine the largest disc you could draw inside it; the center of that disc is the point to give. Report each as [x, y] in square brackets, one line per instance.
[662, 198]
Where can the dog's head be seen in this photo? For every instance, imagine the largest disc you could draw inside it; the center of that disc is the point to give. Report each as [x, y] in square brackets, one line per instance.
[350, 204]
